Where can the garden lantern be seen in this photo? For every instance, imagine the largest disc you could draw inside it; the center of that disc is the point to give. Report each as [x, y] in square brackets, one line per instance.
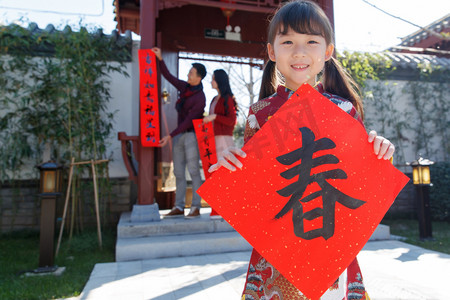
[421, 171]
[422, 181]
[50, 179]
[50, 189]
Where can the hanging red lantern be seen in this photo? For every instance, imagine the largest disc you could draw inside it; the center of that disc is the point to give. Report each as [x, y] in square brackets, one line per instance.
[228, 12]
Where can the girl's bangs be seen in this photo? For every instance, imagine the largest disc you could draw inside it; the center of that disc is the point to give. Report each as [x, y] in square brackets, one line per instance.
[303, 22]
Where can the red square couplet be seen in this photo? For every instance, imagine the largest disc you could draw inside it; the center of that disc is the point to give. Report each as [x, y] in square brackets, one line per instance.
[307, 206]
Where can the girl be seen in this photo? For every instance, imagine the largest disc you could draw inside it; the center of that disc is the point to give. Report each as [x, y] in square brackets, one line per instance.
[222, 112]
[300, 46]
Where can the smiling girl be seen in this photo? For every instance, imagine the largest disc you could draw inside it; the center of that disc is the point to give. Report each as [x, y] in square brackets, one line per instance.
[300, 48]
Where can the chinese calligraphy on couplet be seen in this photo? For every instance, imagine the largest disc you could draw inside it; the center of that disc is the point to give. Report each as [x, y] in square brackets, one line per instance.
[148, 93]
[330, 195]
[206, 144]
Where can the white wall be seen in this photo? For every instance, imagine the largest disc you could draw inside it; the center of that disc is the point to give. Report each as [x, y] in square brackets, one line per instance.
[392, 104]
[125, 100]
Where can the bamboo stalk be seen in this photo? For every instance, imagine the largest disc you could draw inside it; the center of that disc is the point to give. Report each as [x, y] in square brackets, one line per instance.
[99, 232]
[72, 213]
[74, 204]
[91, 161]
[66, 203]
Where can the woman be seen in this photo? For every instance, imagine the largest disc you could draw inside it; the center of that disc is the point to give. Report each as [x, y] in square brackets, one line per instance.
[222, 112]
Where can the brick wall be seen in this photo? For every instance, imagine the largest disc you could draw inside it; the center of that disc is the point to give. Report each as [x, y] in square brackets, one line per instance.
[405, 205]
[20, 205]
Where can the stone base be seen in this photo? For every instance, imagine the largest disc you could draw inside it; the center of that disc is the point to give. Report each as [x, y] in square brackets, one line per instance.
[57, 271]
[382, 232]
[145, 213]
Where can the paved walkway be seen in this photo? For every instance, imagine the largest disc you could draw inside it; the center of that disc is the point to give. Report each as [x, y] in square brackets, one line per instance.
[391, 270]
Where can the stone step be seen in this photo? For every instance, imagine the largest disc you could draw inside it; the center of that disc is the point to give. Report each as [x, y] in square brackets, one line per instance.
[172, 226]
[128, 249]
[186, 237]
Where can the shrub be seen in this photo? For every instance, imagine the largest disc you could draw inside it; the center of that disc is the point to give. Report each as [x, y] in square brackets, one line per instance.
[440, 191]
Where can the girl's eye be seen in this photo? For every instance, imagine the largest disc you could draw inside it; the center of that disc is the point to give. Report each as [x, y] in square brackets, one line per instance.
[312, 42]
[287, 42]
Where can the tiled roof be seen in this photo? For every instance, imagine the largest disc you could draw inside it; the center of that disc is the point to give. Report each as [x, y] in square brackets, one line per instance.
[119, 40]
[411, 61]
[115, 36]
[438, 26]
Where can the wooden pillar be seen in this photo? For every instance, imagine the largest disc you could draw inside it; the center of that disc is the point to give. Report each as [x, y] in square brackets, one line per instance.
[47, 235]
[147, 26]
[327, 6]
[146, 155]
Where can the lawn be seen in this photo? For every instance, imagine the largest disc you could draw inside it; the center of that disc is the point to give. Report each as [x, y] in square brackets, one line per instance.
[410, 230]
[19, 253]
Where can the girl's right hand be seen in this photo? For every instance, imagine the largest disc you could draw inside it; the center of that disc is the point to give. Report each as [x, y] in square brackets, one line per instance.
[228, 155]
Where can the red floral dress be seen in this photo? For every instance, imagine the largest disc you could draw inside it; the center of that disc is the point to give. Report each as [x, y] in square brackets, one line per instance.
[263, 281]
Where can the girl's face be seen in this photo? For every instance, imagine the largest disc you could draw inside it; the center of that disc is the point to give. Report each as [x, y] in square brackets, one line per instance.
[299, 57]
[214, 83]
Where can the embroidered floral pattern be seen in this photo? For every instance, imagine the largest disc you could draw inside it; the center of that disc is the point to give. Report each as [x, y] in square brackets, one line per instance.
[260, 105]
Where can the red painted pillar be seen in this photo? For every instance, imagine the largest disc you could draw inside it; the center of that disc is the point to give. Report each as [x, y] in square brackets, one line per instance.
[146, 155]
[147, 25]
[328, 8]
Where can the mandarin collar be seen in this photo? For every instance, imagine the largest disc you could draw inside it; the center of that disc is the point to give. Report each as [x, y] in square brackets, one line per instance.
[286, 93]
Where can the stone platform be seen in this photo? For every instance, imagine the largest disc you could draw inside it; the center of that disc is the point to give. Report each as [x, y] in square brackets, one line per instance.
[178, 237]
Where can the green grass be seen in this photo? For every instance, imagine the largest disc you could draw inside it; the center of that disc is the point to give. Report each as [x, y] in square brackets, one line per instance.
[19, 253]
[410, 230]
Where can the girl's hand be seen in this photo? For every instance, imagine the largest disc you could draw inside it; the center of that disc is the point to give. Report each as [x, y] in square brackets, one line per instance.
[209, 118]
[228, 155]
[382, 147]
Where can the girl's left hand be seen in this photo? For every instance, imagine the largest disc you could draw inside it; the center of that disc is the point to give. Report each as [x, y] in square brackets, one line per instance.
[209, 118]
[382, 147]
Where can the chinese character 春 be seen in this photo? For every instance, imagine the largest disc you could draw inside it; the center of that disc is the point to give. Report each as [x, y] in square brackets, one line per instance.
[330, 195]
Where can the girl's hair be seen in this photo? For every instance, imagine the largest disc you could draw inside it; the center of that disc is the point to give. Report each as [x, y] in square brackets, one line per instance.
[306, 17]
[223, 83]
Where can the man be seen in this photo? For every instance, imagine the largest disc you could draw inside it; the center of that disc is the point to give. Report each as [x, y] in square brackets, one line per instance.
[190, 106]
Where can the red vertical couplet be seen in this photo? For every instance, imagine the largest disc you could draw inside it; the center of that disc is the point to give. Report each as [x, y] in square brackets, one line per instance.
[206, 144]
[148, 94]
[310, 193]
